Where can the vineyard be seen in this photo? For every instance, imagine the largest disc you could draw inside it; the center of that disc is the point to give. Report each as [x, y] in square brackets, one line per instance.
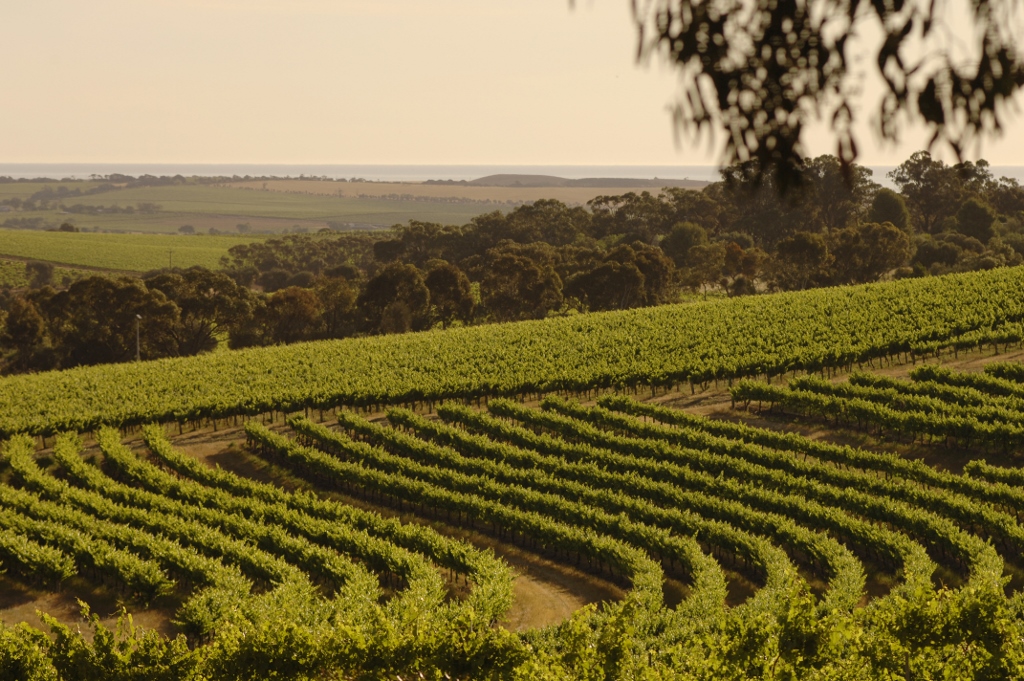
[666, 347]
[387, 467]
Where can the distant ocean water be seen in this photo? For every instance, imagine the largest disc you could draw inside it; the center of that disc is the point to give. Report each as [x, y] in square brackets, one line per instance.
[395, 173]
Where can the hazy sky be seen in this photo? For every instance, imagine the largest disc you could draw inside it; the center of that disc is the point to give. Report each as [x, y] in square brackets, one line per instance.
[345, 81]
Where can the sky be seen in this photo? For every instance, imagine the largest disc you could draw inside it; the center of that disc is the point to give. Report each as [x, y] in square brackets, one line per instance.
[528, 82]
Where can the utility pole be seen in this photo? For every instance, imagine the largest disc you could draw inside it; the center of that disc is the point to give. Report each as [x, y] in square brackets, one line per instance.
[170, 253]
[138, 347]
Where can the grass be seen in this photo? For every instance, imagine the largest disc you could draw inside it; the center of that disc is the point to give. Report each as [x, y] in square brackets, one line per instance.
[127, 252]
[498, 195]
[23, 190]
[223, 208]
[12, 274]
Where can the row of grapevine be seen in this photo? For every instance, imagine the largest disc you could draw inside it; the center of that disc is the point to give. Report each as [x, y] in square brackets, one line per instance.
[576, 483]
[778, 471]
[864, 414]
[479, 513]
[1005, 498]
[491, 577]
[703, 572]
[220, 585]
[670, 345]
[116, 533]
[570, 471]
[632, 496]
[762, 511]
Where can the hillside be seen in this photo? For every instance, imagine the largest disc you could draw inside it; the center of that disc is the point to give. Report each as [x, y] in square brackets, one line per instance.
[257, 514]
[666, 345]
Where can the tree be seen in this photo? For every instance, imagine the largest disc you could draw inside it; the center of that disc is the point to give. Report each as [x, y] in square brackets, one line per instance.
[754, 205]
[742, 263]
[935, 254]
[451, 294]
[210, 303]
[275, 279]
[301, 279]
[395, 318]
[39, 274]
[867, 251]
[517, 286]
[762, 71]
[187, 229]
[396, 286]
[388, 250]
[420, 241]
[800, 262]
[690, 205]
[706, 264]
[838, 199]
[94, 321]
[932, 189]
[888, 206]
[681, 239]
[640, 217]
[292, 315]
[547, 220]
[25, 331]
[657, 269]
[975, 219]
[1006, 196]
[612, 285]
[337, 296]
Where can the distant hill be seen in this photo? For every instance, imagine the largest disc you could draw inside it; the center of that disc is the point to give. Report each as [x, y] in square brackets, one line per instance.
[512, 180]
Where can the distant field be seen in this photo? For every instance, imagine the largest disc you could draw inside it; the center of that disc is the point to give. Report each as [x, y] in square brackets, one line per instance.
[165, 222]
[436, 192]
[23, 190]
[279, 206]
[244, 204]
[126, 252]
[13, 275]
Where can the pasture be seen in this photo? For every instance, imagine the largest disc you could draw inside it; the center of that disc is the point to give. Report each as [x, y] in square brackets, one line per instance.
[434, 192]
[123, 252]
[223, 208]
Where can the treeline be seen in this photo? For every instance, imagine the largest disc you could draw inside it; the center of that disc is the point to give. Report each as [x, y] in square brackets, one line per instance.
[538, 260]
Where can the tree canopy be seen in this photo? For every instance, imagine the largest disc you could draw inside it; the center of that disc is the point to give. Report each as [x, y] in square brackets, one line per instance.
[760, 70]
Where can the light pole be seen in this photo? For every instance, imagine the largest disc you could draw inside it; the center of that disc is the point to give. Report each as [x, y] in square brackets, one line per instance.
[138, 351]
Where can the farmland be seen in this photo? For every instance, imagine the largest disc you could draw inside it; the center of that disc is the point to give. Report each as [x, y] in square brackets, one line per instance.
[121, 252]
[436, 192]
[222, 208]
[273, 206]
[729, 526]
[215, 200]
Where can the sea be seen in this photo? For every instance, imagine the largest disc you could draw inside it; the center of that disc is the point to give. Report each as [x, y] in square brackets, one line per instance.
[395, 173]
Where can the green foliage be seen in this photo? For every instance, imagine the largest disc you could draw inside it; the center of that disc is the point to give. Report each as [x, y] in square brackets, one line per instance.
[668, 345]
[284, 585]
[975, 220]
[888, 206]
[24, 654]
